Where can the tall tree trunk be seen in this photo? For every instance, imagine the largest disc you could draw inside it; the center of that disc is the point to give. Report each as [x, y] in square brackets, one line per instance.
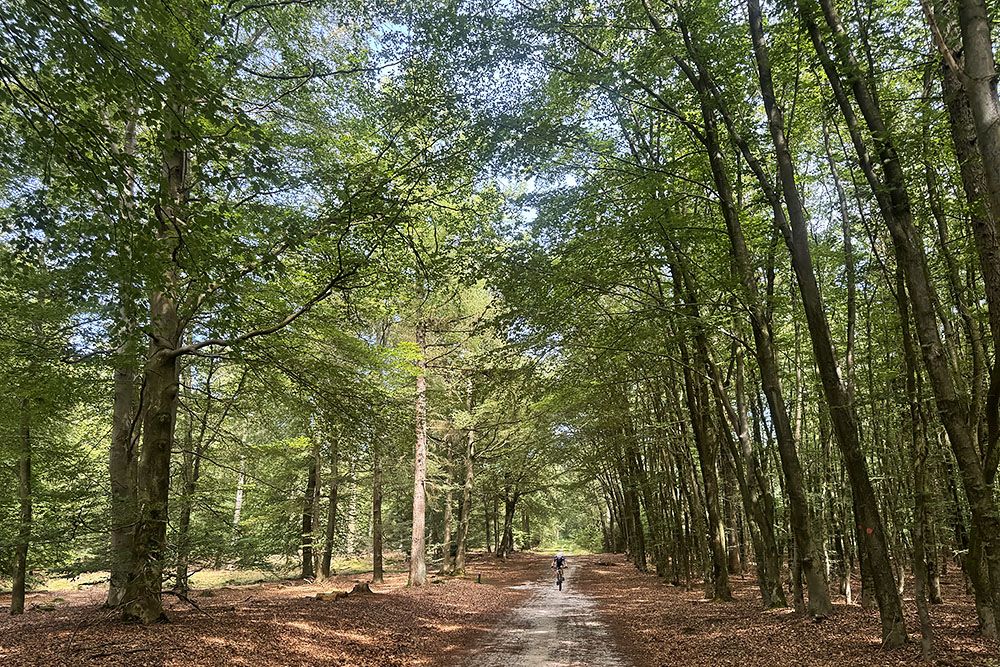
[326, 567]
[843, 413]
[238, 504]
[124, 418]
[894, 203]
[748, 479]
[122, 471]
[980, 84]
[377, 568]
[24, 498]
[465, 512]
[486, 516]
[506, 546]
[918, 455]
[819, 599]
[308, 514]
[418, 565]
[449, 499]
[189, 479]
[143, 601]
[697, 402]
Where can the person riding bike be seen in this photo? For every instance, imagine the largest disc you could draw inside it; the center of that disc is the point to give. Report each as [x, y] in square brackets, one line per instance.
[558, 564]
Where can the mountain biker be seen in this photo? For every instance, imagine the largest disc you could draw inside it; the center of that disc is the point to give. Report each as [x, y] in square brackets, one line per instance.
[559, 561]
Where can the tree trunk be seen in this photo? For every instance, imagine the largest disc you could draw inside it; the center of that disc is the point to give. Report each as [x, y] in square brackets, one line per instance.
[25, 517]
[238, 505]
[819, 599]
[189, 478]
[143, 603]
[486, 516]
[449, 499]
[143, 600]
[759, 512]
[377, 568]
[124, 418]
[843, 413]
[697, 399]
[465, 512]
[418, 565]
[122, 471]
[308, 515]
[326, 568]
[507, 541]
[980, 83]
[894, 203]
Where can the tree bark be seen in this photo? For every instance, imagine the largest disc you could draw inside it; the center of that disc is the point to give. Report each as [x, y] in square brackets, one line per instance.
[377, 567]
[326, 567]
[24, 496]
[449, 499]
[190, 465]
[418, 565]
[465, 512]
[980, 83]
[124, 417]
[143, 603]
[122, 471]
[308, 515]
[506, 546]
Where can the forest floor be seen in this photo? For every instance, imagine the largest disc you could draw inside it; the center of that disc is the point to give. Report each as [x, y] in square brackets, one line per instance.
[608, 615]
[277, 623]
[659, 625]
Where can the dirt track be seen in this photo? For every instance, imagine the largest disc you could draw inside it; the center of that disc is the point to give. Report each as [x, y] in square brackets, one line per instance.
[551, 629]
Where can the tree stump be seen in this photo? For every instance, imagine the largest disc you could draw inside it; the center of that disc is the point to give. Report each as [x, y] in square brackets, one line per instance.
[362, 588]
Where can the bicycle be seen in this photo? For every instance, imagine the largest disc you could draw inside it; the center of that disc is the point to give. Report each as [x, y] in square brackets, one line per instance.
[559, 577]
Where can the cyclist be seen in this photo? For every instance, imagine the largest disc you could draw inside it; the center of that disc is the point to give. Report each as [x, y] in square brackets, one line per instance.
[558, 563]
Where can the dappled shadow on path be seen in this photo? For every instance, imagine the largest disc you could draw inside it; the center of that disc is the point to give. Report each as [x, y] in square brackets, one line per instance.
[554, 628]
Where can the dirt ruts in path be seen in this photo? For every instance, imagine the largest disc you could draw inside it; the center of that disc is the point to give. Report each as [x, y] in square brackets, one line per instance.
[552, 629]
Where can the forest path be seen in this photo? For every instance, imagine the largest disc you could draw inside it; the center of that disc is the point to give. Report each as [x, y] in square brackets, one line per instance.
[552, 629]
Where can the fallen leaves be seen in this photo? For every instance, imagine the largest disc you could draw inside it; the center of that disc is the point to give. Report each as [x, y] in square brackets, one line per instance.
[656, 624]
[277, 625]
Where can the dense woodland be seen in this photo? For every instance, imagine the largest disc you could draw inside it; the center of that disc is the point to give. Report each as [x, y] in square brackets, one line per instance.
[716, 285]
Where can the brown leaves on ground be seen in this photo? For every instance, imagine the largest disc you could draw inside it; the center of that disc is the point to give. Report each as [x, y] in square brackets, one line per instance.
[656, 624]
[277, 624]
[653, 623]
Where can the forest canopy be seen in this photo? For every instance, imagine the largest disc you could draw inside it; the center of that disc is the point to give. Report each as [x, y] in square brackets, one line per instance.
[712, 284]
